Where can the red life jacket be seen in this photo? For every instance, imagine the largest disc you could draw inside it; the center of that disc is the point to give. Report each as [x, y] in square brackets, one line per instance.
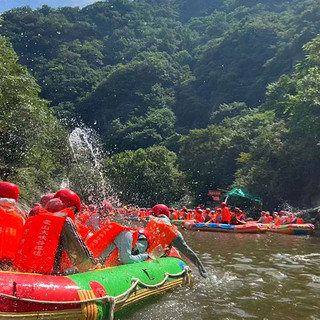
[277, 221]
[226, 215]
[83, 230]
[82, 218]
[160, 233]
[176, 215]
[198, 217]
[299, 221]
[11, 226]
[104, 237]
[39, 243]
[189, 216]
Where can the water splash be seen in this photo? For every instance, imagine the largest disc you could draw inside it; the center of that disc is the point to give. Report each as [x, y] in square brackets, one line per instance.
[87, 176]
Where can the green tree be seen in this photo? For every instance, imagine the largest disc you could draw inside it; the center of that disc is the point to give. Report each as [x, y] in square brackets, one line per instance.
[32, 141]
[141, 132]
[146, 177]
[130, 90]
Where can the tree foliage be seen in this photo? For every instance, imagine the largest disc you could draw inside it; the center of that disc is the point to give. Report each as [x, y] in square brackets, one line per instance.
[231, 87]
[146, 177]
[32, 141]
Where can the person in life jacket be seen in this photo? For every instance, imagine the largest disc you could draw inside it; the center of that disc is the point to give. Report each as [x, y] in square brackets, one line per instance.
[262, 219]
[276, 218]
[11, 223]
[168, 235]
[38, 206]
[299, 219]
[226, 214]
[51, 233]
[115, 244]
[218, 215]
[198, 216]
[100, 218]
[269, 218]
[283, 217]
[242, 216]
[206, 215]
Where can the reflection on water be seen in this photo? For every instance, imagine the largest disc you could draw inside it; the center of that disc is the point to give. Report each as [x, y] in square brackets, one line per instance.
[267, 276]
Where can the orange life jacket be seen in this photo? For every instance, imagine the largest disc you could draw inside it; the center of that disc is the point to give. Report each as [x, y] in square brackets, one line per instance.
[277, 221]
[104, 237]
[82, 218]
[39, 243]
[198, 217]
[160, 233]
[189, 217]
[11, 226]
[226, 215]
[299, 221]
[176, 215]
[83, 230]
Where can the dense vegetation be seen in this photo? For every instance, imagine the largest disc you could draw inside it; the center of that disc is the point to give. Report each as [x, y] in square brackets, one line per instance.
[186, 95]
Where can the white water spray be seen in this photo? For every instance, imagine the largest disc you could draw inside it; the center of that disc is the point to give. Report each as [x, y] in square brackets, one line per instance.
[87, 152]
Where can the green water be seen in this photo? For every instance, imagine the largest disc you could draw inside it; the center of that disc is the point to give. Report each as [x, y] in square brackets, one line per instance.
[267, 276]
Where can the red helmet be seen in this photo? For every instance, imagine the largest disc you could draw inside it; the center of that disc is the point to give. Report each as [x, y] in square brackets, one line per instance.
[34, 211]
[236, 210]
[208, 210]
[107, 205]
[9, 190]
[184, 208]
[218, 210]
[45, 198]
[69, 198]
[54, 205]
[223, 204]
[160, 209]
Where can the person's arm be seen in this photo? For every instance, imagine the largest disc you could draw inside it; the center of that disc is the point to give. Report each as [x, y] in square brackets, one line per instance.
[124, 243]
[75, 247]
[183, 247]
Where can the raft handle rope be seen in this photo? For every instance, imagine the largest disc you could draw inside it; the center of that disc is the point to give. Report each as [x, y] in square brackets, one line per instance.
[113, 301]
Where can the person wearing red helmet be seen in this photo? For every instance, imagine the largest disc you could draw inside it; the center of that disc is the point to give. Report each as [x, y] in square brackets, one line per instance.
[46, 198]
[52, 235]
[226, 214]
[38, 206]
[70, 199]
[218, 216]
[206, 215]
[115, 244]
[11, 224]
[171, 234]
[99, 218]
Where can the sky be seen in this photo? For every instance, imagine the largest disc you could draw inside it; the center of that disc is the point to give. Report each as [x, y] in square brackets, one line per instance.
[10, 4]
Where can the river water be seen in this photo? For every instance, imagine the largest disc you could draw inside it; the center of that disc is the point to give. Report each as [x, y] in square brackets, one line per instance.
[263, 276]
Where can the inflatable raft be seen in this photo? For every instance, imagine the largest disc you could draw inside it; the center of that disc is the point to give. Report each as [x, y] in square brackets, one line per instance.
[250, 227]
[91, 295]
[296, 229]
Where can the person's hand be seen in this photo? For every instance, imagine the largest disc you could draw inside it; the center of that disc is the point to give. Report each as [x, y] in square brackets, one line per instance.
[96, 267]
[203, 272]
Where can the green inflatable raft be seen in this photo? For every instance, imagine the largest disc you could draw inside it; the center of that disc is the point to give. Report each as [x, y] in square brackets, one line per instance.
[91, 295]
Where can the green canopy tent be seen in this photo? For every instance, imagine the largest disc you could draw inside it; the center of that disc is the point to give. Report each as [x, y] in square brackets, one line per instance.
[252, 205]
[237, 192]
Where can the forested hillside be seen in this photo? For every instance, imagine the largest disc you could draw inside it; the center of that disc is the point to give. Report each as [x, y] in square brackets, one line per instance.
[187, 95]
